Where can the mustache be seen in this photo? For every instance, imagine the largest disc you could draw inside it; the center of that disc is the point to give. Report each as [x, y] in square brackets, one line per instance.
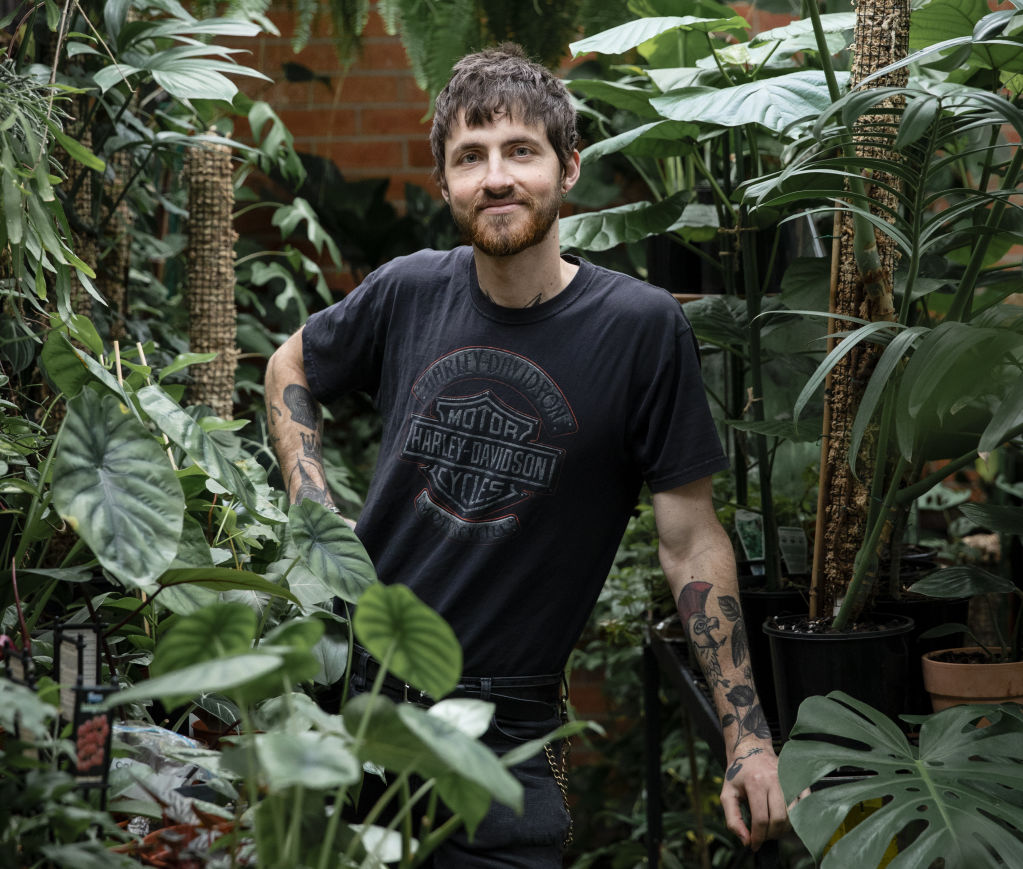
[485, 199]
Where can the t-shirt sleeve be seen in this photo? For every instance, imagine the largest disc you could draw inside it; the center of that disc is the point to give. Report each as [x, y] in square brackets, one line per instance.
[343, 345]
[674, 435]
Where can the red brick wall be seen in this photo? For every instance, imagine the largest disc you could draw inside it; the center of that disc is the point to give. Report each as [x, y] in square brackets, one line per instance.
[369, 121]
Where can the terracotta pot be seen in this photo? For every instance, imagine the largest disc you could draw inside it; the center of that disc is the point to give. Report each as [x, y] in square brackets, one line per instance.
[952, 684]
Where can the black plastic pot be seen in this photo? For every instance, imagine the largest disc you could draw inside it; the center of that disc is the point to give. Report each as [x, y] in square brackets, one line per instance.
[870, 665]
[758, 605]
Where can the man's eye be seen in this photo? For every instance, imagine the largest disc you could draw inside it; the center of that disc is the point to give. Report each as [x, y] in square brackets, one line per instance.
[470, 158]
[523, 151]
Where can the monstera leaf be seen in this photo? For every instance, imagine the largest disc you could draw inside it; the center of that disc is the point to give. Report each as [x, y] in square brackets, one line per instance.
[113, 484]
[960, 790]
[415, 643]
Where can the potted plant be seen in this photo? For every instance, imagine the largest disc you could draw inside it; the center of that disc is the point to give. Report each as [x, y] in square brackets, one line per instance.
[699, 116]
[944, 385]
[979, 672]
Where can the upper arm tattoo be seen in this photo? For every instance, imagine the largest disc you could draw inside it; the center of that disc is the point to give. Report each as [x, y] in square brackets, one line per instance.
[304, 408]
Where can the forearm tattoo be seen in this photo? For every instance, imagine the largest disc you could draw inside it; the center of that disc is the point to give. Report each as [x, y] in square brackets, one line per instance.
[304, 479]
[736, 766]
[307, 487]
[708, 638]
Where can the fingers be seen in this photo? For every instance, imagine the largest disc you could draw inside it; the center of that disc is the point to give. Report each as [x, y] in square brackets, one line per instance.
[733, 814]
[768, 813]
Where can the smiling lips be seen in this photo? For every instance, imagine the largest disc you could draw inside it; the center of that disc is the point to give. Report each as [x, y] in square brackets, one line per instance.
[499, 207]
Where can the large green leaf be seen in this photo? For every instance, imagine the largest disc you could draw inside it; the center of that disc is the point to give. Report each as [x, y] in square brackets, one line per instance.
[940, 20]
[283, 760]
[403, 737]
[626, 36]
[657, 139]
[602, 230]
[835, 22]
[960, 787]
[994, 517]
[955, 583]
[218, 676]
[216, 631]
[953, 363]
[186, 433]
[720, 320]
[113, 484]
[418, 645]
[330, 550]
[70, 369]
[293, 641]
[1006, 420]
[620, 95]
[885, 371]
[774, 103]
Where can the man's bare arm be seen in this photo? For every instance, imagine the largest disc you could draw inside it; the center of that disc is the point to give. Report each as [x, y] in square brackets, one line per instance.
[295, 423]
[698, 562]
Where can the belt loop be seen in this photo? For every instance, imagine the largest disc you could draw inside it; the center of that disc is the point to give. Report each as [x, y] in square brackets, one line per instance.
[485, 683]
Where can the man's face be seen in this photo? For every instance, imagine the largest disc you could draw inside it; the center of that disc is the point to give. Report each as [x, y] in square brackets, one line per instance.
[504, 184]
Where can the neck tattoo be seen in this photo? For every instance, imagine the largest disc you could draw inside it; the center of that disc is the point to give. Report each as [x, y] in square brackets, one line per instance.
[532, 303]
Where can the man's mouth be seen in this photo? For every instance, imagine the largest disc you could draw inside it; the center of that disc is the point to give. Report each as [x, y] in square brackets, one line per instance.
[503, 207]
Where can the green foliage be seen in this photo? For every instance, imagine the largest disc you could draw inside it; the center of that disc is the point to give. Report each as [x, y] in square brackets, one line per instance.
[955, 797]
[44, 820]
[114, 488]
[409, 638]
[437, 33]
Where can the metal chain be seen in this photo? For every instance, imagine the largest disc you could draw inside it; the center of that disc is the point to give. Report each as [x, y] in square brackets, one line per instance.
[558, 769]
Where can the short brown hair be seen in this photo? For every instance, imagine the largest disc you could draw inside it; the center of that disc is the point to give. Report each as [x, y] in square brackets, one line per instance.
[503, 80]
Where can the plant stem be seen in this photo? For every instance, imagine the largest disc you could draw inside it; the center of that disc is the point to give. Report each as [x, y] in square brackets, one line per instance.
[360, 735]
[858, 588]
[26, 640]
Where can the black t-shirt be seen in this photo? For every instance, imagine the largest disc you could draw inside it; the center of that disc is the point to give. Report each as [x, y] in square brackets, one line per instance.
[515, 441]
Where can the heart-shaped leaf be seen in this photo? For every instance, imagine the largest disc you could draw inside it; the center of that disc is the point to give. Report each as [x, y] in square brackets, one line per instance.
[418, 646]
[215, 631]
[113, 484]
[330, 549]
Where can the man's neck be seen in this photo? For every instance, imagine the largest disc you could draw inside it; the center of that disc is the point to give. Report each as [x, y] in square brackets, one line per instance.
[529, 278]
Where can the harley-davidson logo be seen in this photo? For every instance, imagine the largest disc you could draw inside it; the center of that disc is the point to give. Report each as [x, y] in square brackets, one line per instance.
[478, 454]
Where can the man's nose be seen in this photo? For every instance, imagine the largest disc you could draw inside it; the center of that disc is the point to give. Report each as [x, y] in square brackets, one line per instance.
[497, 178]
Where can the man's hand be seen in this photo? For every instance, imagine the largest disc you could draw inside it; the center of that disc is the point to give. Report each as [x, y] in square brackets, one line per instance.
[752, 778]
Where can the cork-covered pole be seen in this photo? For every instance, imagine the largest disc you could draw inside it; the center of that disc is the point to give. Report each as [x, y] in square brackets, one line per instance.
[210, 277]
[112, 277]
[881, 37]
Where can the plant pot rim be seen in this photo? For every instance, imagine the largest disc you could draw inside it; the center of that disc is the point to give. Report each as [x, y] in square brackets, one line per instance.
[904, 625]
[929, 657]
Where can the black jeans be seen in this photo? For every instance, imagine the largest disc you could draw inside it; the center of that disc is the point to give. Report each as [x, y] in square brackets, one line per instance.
[533, 840]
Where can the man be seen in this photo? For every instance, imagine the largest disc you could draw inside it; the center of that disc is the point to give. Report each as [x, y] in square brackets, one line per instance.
[526, 397]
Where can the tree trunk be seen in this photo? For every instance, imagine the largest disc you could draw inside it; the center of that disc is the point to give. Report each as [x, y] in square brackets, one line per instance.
[881, 37]
[210, 258]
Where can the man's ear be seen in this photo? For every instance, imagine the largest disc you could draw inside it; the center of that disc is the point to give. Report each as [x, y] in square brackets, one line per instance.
[570, 173]
[443, 188]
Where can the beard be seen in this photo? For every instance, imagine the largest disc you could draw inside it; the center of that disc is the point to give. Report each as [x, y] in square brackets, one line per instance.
[507, 234]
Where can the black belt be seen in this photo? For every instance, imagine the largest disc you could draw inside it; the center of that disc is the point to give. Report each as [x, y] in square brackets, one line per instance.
[519, 698]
